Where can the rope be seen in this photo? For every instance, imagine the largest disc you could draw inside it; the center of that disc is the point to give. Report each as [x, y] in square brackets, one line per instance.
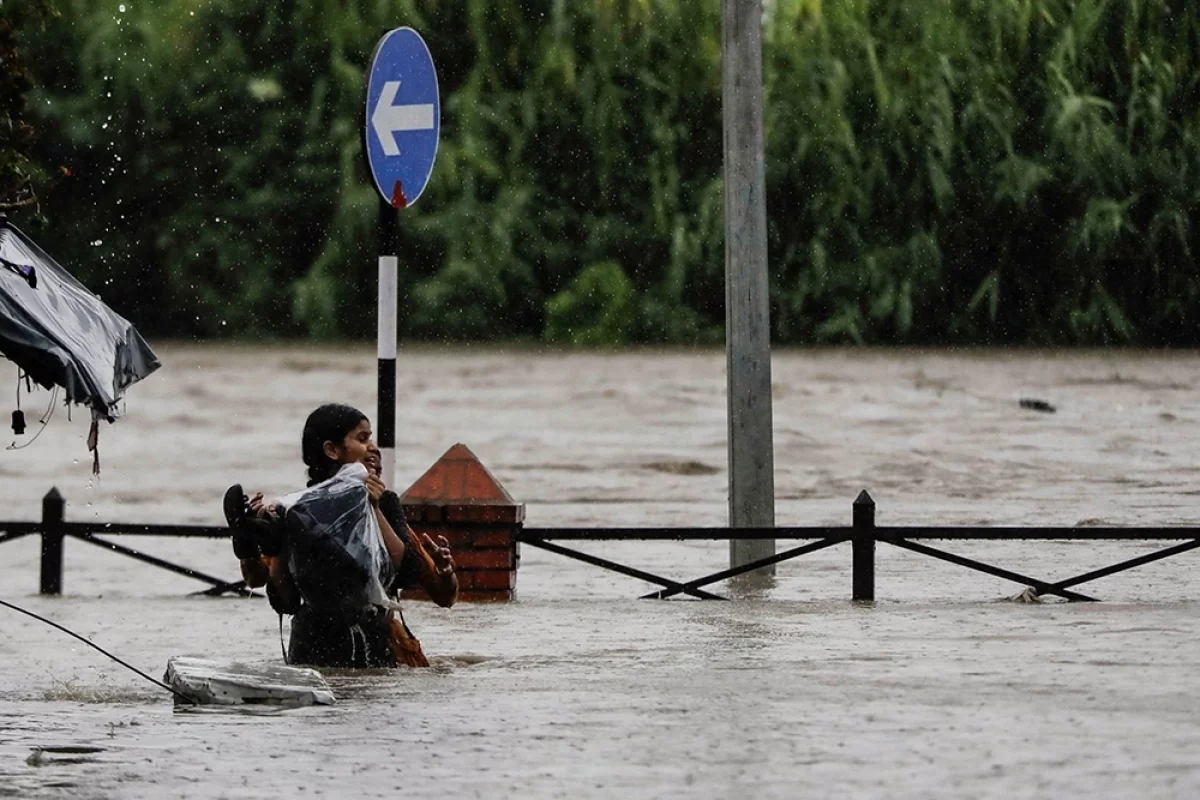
[52, 624]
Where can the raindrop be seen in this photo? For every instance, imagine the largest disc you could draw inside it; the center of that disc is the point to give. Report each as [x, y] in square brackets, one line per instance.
[97, 243]
[121, 8]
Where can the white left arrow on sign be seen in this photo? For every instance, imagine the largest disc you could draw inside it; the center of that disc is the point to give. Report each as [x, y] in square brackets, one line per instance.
[389, 120]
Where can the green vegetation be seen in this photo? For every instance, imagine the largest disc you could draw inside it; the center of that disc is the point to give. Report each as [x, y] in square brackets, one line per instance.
[20, 175]
[973, 171]
[598, 308]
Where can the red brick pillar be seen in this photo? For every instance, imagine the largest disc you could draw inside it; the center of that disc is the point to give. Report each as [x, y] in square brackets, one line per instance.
[459, 499]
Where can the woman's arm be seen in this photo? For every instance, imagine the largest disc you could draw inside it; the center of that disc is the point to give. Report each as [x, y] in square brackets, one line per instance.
[391, 541]
[376, 492]
[434, 565]
[436, 574]
[436, 569]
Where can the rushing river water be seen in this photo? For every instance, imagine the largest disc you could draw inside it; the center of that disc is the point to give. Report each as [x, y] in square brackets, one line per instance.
[941, 688]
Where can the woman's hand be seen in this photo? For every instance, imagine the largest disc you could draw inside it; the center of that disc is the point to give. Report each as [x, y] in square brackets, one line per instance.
[375, 489]
[258, 507]
[439, 553]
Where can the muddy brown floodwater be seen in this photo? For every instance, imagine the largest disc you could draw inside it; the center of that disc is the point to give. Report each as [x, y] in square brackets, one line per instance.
[941, 688]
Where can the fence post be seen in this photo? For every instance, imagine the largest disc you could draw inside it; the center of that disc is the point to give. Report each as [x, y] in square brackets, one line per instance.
[53, 506]
[864, 547]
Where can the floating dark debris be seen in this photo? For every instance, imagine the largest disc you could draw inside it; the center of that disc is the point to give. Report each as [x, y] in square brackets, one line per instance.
[683, 468]
[1037, 405]
[53, 754]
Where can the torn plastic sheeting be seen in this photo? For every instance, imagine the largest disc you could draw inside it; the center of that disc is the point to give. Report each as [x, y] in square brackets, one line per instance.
[335, 548]
[61, 334]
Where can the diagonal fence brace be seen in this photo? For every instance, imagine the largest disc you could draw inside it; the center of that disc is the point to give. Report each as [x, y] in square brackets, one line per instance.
[222, 588]
[8, 537]
[587, 558]
[217, 583]
[970, 563]
[795, 552]
[1122, 566]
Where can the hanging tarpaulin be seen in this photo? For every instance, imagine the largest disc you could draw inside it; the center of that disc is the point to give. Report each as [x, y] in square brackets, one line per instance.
[60, 334]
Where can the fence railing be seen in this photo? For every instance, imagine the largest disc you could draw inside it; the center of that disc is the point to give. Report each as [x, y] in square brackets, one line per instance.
[863, 535]
[54, 530]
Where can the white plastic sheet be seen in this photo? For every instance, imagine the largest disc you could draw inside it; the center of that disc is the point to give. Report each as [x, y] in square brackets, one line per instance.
[213, 683]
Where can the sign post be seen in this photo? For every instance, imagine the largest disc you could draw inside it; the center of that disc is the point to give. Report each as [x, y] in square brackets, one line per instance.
[403, 120]
[747, 307]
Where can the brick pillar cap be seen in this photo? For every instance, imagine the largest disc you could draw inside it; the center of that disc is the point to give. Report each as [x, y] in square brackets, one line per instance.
[458, 487]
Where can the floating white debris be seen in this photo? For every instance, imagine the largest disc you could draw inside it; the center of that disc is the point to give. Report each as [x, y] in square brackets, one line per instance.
[210, 682]
[1030, 595]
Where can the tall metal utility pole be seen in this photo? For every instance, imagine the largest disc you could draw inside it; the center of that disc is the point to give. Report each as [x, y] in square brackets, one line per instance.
[747, 310]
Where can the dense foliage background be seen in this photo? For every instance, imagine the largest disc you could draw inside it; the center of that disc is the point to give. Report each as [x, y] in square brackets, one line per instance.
[994, 171]
[21, 176]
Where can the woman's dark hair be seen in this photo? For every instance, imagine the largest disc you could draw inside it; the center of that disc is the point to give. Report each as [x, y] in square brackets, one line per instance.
[329, 423]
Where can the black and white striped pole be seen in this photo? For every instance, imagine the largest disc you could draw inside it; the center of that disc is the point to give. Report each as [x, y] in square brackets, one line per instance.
[402, 120]
[389, 284]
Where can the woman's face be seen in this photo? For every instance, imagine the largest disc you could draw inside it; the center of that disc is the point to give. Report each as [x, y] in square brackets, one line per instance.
[357, 447]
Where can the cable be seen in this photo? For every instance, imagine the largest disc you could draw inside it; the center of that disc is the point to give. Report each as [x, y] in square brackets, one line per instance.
[155, 681]
[44, 421]
[50, 408]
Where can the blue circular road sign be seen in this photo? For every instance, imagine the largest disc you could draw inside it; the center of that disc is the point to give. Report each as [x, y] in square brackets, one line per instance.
[403, 116]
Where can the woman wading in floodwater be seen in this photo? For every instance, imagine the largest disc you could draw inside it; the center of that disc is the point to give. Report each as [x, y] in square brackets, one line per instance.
[331, 635]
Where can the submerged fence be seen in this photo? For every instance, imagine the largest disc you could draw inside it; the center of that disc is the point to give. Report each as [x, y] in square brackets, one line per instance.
[862, 534]
[54, 530]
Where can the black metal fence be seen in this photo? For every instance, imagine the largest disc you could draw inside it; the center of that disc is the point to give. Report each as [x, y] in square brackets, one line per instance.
[863, 535]
[54, 530]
